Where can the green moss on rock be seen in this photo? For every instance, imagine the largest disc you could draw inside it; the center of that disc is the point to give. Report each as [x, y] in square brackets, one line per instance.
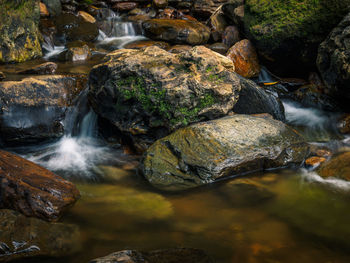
[19, 33]
[292, 28]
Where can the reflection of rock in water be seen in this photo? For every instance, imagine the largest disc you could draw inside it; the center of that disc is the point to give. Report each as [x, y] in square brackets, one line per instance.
[23, 237]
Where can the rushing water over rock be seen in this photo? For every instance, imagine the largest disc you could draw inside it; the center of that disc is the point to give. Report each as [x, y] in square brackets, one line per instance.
[50, 50]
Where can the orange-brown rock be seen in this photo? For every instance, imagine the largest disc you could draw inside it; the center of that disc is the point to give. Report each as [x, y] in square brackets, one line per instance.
[43, 10]
[124, 6]
[86, 17]
[338, 166]
[33, 190]
[314, 161]
[343, 124]
[147, 43]
[245, 59]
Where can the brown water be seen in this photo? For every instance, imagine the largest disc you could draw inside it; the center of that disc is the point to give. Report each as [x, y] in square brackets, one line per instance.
[271, 217]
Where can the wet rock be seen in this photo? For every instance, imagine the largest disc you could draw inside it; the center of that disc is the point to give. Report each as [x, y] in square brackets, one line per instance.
[148, 93]
[234, 12]
[245, 59]
[54, 7]
[33, 109]
[230, 36]
[314, 161]
[23, 238]
[343, 124]
[147, 43]
[75, 54]
[76, 28]
[124, 6]
[220, 48]
[218, 22]
[207, 151]
[160, 4]
[280, 35]
[254, 100]
[333, 62]
[33, 190]
[43, 10]
[177, 31]
[41, 69]
[19, 30]
[184, 255]
[87, 17]
[337, 167]
[170, 13]
[205, 8]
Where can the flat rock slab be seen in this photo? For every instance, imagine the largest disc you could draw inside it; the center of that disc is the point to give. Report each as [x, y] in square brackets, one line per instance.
[33, 190]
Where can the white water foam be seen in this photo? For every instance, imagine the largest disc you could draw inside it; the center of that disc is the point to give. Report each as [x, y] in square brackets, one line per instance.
[331, 182]
[308, 117]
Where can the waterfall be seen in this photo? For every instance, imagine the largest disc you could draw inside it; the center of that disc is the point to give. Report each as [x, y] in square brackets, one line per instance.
[50, 50]
[114, 33]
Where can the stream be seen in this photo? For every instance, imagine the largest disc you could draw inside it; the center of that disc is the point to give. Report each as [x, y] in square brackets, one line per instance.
[275, 216]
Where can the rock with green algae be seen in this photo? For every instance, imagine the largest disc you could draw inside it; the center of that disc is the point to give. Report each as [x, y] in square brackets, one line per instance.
[148, 93]
[19, 32]
[287, 33]
[208, 151]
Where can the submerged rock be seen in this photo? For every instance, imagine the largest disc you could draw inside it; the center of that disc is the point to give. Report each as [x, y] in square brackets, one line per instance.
[207, 151]
[175, 255]
[33, 109]
[177, 31]
[117, 199]
[148, 93]
[19, 30]
[22, 237]
[337, 167]
[33, 190]
[41, 69]
[333, 62]
[289, 40]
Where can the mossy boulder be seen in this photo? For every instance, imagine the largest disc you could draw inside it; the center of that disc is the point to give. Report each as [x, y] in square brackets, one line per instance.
[287, 33]
[19, 31]
[149, 93]
[205, 152]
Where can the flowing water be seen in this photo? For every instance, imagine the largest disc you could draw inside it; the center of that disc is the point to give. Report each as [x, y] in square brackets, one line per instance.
[284, 216]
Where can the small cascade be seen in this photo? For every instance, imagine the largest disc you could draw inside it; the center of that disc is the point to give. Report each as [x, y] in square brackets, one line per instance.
[78, 153]
[50, 50]
[315, 124]
[312, 176]
[116, 33]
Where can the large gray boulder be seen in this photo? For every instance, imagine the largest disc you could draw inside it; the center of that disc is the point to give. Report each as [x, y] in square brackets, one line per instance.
[230, 146]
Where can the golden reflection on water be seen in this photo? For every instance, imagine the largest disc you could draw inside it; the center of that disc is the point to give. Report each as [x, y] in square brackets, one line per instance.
[242, 220]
